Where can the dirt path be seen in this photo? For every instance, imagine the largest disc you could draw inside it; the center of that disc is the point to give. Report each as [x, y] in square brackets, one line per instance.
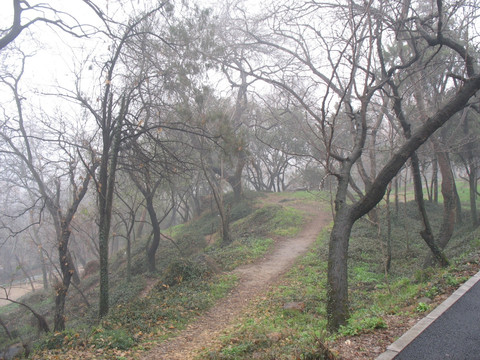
[17, 291]
[255, 280]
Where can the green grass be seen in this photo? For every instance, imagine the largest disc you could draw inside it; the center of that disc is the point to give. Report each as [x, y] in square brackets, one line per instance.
[463, 191]
[241, 251]
[305, 195]
[269, 332]
[287, 222]
[167, 309]
[188, 285]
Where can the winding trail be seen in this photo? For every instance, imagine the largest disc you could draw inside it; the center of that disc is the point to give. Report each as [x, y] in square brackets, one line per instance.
[254, 281]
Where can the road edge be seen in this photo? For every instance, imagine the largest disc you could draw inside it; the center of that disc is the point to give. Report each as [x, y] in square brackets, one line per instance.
[397, 346]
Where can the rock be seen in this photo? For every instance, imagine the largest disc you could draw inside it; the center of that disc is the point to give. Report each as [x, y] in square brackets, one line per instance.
[424, 300]
[295, 305]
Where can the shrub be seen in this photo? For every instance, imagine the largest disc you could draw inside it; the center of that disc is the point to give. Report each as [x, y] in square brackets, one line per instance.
[182, 270]
[61, 339]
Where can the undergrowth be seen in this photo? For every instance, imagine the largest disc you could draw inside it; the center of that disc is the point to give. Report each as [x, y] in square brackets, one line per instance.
[270, 331]
[188, 282]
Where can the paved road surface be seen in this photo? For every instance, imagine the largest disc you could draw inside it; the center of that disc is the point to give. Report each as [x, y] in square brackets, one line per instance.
[454, 335]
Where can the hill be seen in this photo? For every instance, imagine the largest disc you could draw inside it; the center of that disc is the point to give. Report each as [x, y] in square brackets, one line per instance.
[262, 296]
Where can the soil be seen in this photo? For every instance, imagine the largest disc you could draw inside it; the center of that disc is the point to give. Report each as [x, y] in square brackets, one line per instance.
[254, 281]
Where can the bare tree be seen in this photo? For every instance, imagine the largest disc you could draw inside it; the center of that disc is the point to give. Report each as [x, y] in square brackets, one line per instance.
[339, 100]
[21, 142]
[26, 14]
[115, 121]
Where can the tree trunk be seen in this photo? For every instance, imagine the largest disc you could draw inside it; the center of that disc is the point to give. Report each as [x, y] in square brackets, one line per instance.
[225, 227]
[73, 269]
[235, 180]
[106, 189]
[458, 205]
[449, 200]
[141, 225]
[152, 249]
[103, 302]
[471, 167]
[337, 283]
[129, 252]
[218, 197]
[434, 185]
[388, 260]
[426, 233]
[236, 183]
[449, 204]
[61, 288]
[472, 183]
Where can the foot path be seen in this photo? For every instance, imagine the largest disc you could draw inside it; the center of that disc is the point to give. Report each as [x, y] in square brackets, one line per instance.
[254, 281]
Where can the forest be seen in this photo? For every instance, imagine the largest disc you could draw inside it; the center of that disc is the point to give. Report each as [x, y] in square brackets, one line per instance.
[122, 122]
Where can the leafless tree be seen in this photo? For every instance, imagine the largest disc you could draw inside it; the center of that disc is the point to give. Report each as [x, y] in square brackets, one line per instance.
[25, 15]
[333, 61]
[46, 175]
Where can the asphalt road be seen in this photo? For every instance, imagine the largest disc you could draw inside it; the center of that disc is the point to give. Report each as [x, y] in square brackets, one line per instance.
[455, 335]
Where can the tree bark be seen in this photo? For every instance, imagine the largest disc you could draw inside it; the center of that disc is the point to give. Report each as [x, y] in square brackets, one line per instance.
[337, 282]
[471, 168]
[434, 185]
[61, 288]
[426, 233]
[106, 185]
[141, 225]
[449, 200]
[152, 249]
[449, 203]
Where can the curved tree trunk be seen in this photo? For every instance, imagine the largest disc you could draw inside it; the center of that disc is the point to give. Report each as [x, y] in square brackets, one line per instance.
[152, 249]
[449, 204]
[61, 288]
[236, 180]
[448, 190]
[337, 281]
[426, 233]
[449, 200]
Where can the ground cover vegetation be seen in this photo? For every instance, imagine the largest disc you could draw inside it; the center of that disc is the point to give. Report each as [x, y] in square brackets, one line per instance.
[381, 301]
[137, 138]
[152, 307]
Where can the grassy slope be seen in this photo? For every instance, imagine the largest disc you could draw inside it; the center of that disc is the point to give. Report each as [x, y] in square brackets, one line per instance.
[187, 285]
[156, 306]
[269, 331]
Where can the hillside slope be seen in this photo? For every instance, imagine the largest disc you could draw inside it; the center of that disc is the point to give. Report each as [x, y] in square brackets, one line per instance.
[254, 281]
